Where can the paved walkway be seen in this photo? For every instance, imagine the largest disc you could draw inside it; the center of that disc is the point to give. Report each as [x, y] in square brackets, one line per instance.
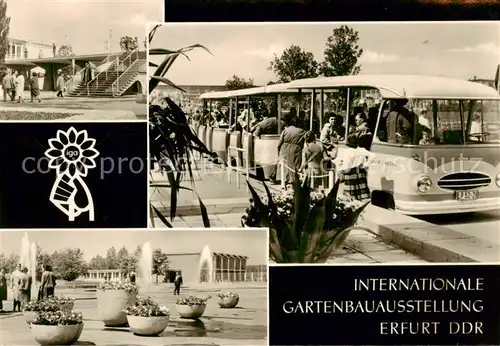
[49, 100]
[226, 204]
[244, 325]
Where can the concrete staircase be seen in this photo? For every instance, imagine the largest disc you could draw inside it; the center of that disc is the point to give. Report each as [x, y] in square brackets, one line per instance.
[116, 80]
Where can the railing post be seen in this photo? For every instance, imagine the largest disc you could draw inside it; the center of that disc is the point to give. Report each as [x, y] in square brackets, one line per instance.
[331, 180]
[229, 165]
[282, 173]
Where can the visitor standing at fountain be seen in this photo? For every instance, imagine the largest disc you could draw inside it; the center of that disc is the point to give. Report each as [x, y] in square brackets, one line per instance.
[14, 285]
[177, 283]
[25, 288]
[3, 288]
[48, 282]
[131, 277]
[35, 87]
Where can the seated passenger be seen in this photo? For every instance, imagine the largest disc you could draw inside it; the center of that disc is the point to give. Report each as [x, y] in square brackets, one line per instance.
[400, 123]
[363, 132]
[268, 126]
[426, 138]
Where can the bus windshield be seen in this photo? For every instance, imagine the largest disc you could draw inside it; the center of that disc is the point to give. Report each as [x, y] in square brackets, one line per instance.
[440, 122]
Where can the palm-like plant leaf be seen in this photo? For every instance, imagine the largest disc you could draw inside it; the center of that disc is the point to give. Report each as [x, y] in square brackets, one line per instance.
[168, 82]
[161, 217]
[312, 233]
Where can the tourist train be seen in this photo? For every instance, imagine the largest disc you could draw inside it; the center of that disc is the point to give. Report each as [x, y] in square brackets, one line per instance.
[445, 162]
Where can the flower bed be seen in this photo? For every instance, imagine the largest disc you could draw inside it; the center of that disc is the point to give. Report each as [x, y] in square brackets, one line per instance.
[146, 317]
[119, 285]
[57, 327]
[228, 300]
[305, 225]
[191, 307]
[24, 115]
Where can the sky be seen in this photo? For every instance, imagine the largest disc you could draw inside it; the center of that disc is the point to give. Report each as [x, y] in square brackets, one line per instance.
[457, 50]
[251, 243]
[85, 24]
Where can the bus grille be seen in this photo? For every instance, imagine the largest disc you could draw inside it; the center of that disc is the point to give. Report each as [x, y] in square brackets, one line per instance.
[464, 181]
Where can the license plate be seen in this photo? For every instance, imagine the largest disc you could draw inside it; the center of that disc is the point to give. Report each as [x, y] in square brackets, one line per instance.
[468, 195]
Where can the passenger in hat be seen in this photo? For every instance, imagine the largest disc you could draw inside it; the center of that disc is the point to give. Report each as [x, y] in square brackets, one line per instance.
[60, 84]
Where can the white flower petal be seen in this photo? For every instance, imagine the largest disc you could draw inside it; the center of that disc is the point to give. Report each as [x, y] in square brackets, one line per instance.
[90, 153]
[54, 143]
[72, 134]
[62, 137]
[89, 143]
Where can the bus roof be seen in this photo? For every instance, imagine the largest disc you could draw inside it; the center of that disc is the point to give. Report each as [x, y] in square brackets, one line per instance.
[273, 89]
[405, 86]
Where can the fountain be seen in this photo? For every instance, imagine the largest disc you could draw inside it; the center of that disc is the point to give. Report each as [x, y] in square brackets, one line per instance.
[28, 258]
[206, 266]
[146, 267]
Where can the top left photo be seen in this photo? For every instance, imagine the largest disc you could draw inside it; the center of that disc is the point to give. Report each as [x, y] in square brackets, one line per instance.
[74, 60]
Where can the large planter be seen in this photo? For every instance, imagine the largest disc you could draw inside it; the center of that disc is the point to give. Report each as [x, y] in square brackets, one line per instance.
[56, 335]
[147, 325]
[29, 316]
[228, 302]
[191, 311]
[110, 305]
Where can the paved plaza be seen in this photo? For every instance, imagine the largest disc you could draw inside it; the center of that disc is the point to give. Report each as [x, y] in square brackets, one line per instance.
[50, 101]
[244, 325]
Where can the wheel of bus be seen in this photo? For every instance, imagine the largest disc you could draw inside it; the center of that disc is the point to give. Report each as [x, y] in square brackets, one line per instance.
[383, 199]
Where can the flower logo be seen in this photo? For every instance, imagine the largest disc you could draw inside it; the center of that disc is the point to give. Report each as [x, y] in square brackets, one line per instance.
[71, 154]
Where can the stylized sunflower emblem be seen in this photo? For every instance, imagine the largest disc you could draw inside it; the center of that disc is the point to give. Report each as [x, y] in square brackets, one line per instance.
[72, 152]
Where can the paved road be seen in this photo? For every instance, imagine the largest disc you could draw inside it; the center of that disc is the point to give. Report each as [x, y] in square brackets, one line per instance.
[485, 225]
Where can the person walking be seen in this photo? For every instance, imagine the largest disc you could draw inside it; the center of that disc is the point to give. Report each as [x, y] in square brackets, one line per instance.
[14, 86]
[48, 282]
[34, 87]
[290, 149]
[6, 85]
[3, 288]
[14, 285]
[20, 81]
[177, 283]
[60, 84]
[25, 283]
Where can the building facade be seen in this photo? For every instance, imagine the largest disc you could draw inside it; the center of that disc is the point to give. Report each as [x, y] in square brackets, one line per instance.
[103, 275]
[23, 49]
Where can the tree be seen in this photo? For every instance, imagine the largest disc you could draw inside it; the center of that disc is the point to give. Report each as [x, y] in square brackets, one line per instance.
[65, 50]
[4, 33]
[342, 53]
[97, 263]
[9, 263]
[129, 44]
[294, 63]
[161, 263]
[42, 258]
[236, 83]
[111, 258]
[69, 264]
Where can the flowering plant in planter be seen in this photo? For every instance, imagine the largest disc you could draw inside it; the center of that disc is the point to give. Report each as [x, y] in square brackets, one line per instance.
[119, 285]
[44, 305]
[193, 300]
[61, 300]
[146, 307]
[223, 295]
[58, 318]
[305, 226]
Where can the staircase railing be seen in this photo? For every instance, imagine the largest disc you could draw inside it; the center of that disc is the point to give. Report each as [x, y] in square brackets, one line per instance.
[70, 83]
[105, 72]
[116, 84]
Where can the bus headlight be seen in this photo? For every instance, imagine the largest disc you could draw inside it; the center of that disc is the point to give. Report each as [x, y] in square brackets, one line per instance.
[424, 183]
[497, 179]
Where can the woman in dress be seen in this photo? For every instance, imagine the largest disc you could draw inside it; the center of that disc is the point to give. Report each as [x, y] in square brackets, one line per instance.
[313, 159]
[15, 277]
[290, 148]
[35, 87]
[352, 163]
[3, 288]
[20, 81]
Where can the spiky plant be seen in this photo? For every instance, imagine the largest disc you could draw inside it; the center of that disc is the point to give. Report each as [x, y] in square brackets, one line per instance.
[312, 232]
[172, 141]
